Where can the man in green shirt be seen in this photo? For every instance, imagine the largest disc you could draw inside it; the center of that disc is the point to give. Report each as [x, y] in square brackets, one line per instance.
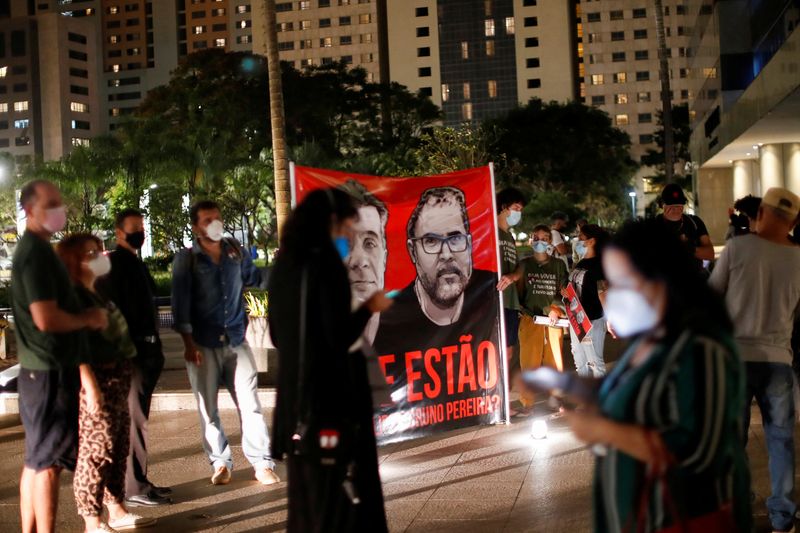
[540, 279]
[509, 204]
[48, 321]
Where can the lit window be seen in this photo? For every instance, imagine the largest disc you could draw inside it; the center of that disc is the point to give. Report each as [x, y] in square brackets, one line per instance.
[22, 123]
[597, 79]
[621, 120]
[113, 10]
[245, 24]
[366, 38]
[488, 27]
[115, 68]
[492, 86]
[21, 106]
[220, 12]
[643, 97]
[445, 92]
[707, 72]
[621, 98]
[306, 62]
[509, 25]
[3, 107]
[467, 91]
[305, 24]
[114, 112]
[489, 48]
[3, 72]
[326, 42]
[220, 43]
[365, 18]
[77, 141]
[305, 5]
[466, 111]
[620, 77]
[464, 50]
[113, 39]
[199, 29]
[305, 44]
[242, 9]
[79, 107]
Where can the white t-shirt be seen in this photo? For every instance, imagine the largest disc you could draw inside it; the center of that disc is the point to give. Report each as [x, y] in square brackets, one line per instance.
[558, 239]
[760, 280]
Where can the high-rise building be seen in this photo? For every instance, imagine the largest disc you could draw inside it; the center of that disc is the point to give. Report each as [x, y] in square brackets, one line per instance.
[620, 66]
[48, 82]
[479, 58]
[745, 102]
[319, 32]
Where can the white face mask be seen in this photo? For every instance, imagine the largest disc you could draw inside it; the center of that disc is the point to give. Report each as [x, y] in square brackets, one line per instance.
[214, 230]
[629, 312]
[55, 219]
[100, 265]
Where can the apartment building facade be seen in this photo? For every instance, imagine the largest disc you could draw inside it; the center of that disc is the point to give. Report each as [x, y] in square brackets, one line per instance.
[621, 76]
[49, 99]
[479, 58]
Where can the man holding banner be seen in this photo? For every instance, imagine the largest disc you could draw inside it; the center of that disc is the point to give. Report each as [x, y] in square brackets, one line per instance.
[433, 240]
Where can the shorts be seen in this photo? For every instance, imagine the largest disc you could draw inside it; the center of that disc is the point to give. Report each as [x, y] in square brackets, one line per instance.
[512, 326]
[48, 407]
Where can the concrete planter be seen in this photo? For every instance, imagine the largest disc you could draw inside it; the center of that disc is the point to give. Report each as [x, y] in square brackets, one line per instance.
[258, 338]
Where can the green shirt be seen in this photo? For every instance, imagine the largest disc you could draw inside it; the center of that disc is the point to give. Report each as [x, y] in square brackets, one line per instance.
[113, 343]
[508, 265]
[542, 284]
[38, 275]
[691, 390]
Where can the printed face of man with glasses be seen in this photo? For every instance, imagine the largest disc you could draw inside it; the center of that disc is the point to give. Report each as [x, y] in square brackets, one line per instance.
[440, 246]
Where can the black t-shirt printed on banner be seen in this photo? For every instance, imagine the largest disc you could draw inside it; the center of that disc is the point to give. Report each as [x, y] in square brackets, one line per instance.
[585, 277]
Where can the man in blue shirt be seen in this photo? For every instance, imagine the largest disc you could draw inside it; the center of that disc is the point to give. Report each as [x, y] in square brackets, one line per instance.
[208, 281]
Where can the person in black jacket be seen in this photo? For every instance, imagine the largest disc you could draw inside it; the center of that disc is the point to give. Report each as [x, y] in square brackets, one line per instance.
[131, 287]
[323, 414]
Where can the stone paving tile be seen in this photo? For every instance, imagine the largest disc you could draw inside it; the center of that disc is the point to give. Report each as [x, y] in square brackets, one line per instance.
[456, 526]
[480, 509]
[477, 490]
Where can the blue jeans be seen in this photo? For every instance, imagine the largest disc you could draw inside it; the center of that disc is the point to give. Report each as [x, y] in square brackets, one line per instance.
[235, 368]
[588, 354]
[771, 385]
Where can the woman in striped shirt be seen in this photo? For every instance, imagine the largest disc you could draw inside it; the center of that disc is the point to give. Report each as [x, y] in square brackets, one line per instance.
[675, 398]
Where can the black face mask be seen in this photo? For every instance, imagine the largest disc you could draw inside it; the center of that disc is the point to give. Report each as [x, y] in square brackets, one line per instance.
[135, 239]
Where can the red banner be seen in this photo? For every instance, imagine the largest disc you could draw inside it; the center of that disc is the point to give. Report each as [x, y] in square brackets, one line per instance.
[433, 240]
[578, 320]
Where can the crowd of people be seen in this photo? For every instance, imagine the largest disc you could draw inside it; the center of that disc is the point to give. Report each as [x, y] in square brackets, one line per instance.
[90, 357]
[667, 422]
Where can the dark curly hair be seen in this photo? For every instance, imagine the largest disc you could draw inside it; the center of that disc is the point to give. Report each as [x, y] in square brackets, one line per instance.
[659, 255]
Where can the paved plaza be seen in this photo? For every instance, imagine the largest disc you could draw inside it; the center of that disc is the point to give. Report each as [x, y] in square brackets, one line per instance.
[484, 480]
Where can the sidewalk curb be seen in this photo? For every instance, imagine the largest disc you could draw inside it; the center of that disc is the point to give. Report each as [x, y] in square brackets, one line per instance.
[162, 401]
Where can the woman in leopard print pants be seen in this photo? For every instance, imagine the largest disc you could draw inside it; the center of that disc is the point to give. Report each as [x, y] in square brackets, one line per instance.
[103, 418]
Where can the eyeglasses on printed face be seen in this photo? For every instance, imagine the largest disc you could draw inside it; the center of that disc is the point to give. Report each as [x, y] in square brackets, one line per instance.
[432, 244]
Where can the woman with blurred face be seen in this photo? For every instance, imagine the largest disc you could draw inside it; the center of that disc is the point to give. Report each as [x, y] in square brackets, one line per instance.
[670, 410]
[103, 418]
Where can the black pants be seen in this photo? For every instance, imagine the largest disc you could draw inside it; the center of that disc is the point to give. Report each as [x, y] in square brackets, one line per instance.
[147, 366]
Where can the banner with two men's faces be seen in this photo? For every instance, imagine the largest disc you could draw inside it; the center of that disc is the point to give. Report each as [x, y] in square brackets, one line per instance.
[434, 240]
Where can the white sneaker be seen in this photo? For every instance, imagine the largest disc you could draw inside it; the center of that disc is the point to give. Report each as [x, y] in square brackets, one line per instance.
[103, 528]
[222, 476]
[131, 521]
[267, 476]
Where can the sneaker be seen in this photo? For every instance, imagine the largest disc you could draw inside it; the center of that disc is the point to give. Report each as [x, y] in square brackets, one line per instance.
[150, 499]
[267, 476]
[131, 521]
[222, 476]
[103, 528]
[161, 491]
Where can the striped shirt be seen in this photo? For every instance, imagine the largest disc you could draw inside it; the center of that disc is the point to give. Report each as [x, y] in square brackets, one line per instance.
[692, 392]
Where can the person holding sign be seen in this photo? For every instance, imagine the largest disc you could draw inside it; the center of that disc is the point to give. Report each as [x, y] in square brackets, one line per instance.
[589, 285]
[541, 279]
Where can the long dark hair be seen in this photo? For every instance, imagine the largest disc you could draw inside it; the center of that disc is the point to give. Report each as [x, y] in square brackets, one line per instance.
[659, 255]
[600, 236]
[309, 225]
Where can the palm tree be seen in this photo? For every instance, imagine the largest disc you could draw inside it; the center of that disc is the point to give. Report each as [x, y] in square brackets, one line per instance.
[666, 94]
[277, 119]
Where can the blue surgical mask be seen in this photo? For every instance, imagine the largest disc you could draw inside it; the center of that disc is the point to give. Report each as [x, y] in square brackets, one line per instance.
[342, 246]
[540, 247]
[580, 248]
[513, 218]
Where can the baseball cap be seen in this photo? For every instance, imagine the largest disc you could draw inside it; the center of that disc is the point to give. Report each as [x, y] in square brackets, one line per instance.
[783, 200]
[672, 194]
